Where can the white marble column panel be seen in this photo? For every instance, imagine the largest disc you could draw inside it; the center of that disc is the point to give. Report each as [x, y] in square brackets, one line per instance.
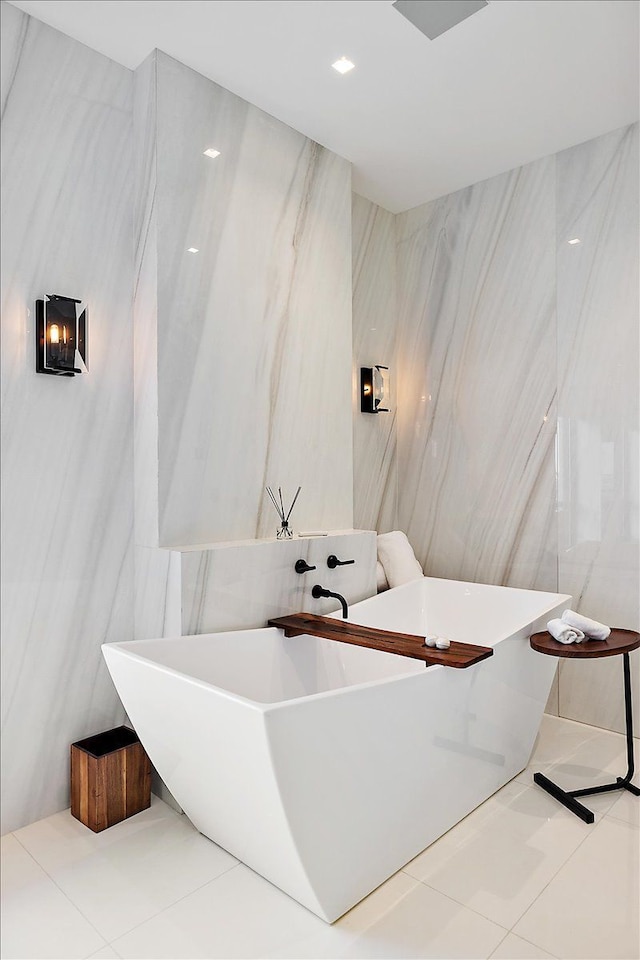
[598, 407]
[375, 479]
[67, 451]
[254, 331]
[241, 585]
[238, 586]
[477, 391]
[145, 304]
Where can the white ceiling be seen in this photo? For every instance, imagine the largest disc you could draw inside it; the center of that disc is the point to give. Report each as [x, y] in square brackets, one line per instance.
[418, 118]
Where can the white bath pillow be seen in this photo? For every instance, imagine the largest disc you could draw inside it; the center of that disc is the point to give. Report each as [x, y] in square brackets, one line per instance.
[381, 578]
[396, 555]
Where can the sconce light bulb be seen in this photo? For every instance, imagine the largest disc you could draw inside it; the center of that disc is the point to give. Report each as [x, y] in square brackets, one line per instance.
[54, 333]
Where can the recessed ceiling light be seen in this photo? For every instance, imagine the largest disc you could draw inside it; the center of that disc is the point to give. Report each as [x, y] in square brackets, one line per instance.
[211, 152]
[193, 250]
[575, 240]
[343, 65]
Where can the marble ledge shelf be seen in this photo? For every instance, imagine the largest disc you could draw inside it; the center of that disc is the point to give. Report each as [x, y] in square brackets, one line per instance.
[222, 544]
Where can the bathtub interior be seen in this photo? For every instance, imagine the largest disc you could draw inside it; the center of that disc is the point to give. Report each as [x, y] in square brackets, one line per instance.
[476, 613]
[266, 667]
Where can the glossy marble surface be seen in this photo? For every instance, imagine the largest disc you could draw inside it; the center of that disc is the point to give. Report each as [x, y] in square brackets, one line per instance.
[243, 585]
[236, 586]
[253, 330]
[518, 405]
[572, 888]
[598, 408]
[375, 466]
[67, 444]
[477, 397]
[145, 306]
[158, 593]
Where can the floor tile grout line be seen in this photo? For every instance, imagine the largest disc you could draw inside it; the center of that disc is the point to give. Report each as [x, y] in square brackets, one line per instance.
[627, 823]
[536, 945]
[170, 906]
[510, 933]
[498, 945]
[108, 942]
[64, 894]
[465, 906]
[556, 872]
[528, 907]
[514, 782]
[537, 897]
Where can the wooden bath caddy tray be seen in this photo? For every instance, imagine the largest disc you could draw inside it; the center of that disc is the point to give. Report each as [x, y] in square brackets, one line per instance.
[458, 655]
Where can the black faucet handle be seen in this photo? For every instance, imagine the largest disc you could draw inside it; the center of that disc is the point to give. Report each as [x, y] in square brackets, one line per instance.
[333, 562]
[302, 566]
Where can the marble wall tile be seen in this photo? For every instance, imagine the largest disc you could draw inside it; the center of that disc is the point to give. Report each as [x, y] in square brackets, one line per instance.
[477, 391]
[67, 450]
[158, 597]
[145, 305]
[254, 331]
[241, 585]
[375, 479]
[15, 25]
[237, 586]
[598, 408]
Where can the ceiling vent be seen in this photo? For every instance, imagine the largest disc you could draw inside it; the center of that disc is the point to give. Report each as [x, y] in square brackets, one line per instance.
[434, 17]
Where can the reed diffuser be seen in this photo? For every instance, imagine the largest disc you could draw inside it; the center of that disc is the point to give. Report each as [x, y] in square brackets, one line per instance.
[284, 531]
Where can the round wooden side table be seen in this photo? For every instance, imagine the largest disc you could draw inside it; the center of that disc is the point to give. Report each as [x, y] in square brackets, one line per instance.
[619, 642]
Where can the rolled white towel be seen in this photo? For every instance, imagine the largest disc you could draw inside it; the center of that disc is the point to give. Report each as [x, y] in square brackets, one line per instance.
[564, 633]
[591, 628]
[396, 555]
[381, 578]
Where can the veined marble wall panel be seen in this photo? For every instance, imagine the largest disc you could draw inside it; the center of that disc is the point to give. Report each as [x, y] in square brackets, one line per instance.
[67, 451]
[599, 395]
[145, 306]
[477, 355]
[375, 479]
[254, 331]
[239, 586]
[158, 599]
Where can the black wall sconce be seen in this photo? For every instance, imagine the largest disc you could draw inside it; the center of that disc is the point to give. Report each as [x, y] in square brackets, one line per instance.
[374, 389]
[61, 336]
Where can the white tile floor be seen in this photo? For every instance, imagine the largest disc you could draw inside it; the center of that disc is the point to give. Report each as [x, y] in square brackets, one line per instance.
[520, 877]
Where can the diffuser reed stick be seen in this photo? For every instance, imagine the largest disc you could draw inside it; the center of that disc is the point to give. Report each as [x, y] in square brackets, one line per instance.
[284, 531]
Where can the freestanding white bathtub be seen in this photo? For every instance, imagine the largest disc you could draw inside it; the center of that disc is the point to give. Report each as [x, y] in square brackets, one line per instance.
[324, 766]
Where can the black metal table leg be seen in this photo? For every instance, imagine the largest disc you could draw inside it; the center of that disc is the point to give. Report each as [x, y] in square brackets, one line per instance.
[568, 797]
[563, 797]
[625, 781]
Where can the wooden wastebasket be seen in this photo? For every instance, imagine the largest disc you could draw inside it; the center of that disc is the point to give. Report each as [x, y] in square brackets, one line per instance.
[110, 778]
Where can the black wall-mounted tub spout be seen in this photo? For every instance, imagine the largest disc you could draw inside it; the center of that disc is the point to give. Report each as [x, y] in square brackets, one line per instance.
[319, 591]
[333, 562]
[302, 566]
